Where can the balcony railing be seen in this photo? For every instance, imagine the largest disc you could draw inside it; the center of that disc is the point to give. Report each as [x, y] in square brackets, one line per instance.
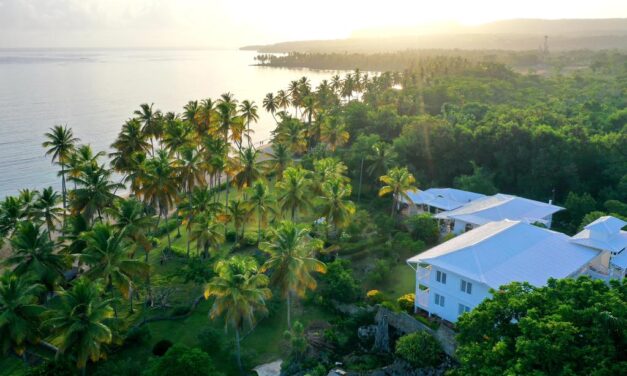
[422, 298]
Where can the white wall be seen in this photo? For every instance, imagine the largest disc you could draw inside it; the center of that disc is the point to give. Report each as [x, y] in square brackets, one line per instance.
[460, 227]
[453, 295]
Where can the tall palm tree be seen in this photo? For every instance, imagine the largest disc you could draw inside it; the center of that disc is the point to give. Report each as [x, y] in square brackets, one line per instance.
[381, 159]
[240, 293]
[248, 168]
[336, 207]
[336, 84]
[398, 181]
[201, 201]
[33, 253]
[278, 160]
[46, 208]
[207, 232]
[333, 132]
[28, 199]
[293, 191]
[295, 95]
[326, 169]
[207, 115]
[107, 259]
[192, 113]
[80, 321]
[11, 213]
[270, 104]
[249, 113]
[60, 143]
[238, 213]
[160, 188]
[292, 260]
[130, 218]
[291, 133]
[283, 99]
[130, 140]
[20, 313]
[151, 120]
[263, 202]
[95, 191]
[176, 136]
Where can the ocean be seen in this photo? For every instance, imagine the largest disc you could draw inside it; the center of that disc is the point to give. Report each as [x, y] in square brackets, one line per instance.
[95, 91]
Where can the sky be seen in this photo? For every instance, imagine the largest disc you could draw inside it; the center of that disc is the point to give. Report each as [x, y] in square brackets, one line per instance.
[234, 23]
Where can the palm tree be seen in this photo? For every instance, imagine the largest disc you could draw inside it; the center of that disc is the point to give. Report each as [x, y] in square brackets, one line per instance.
[107, 259]
[19, 313]
[151, 120]
[238, 213]
[292, 261]
[159, 188]
[176, 136]
[336, 207]
[270, 104]
[80, 321]
[207, 114]
[263, 202]
[240, 293]
[293, 191]
[294, 92]
[33, 253]
[398, 181]
[192, 113]
[326, 169]
[28, 199]
[381, 159]
[283, 99]
[130, 140]
[336, 84]
[200, 202]
[130, 217]
[249, 113]
[46, 208]
[290, 132]
[334, 132]
[278, 160]
[94, 192]
[11, 213]
[61, 143]
[208, 233]
[248, 168]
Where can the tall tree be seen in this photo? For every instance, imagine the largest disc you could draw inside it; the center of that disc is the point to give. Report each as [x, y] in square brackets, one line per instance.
[107, 259]
[80, 322]
[248, 168]
[240, 293]
[262, 201]
[292, 260]
[398, 181]
[249, 113]
[333, 132]
[152, 121]
[336, 207]
[207, 232]
[271, 104]
[293, 191]
[60, 143]
[95, 191]
[46, 208]
[20, 313]
[278, 160]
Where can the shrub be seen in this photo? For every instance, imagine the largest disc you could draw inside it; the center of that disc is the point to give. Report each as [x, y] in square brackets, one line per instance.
[420, 349]
[56, 367]
[380, 271]
[161, 347]
[424, 227]
[338, 283]
[374, 297]
[390, 305]
[125, 367]
[406, 302]
[138, 335]
[211, 340]
[182, 360]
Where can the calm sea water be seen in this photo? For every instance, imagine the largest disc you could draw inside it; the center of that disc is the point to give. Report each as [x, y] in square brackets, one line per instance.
[95, 91]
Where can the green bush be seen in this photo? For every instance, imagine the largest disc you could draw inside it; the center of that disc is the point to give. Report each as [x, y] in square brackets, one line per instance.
[338, 283]
[182, 360]
[420, 349]
[424, 227]
[406, 302]
[125, 367]
[181, 310]
[374, 297]
[380, 271]
[56, 367]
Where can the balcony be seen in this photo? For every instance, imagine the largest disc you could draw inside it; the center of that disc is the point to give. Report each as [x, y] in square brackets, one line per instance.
[422, 298]
[423, 273]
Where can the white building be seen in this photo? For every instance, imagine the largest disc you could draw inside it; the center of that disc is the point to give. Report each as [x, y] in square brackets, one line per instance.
[436, 200]
[497, 208]
[455, 276]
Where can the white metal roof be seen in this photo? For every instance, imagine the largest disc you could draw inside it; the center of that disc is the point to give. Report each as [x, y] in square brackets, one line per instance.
[620, 260]
[443, 198]
[605, 233]
[506, 251]
[499, 207]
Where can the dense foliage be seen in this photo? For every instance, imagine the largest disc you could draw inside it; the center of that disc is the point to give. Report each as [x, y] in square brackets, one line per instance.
[420, 349]
[569, 327]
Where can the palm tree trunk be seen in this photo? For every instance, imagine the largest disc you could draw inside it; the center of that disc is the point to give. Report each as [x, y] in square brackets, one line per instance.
[393, 205]
[289, 310]
[130, 296]
[167, 228]
[63, 189]
[259, 226]
[238, 351]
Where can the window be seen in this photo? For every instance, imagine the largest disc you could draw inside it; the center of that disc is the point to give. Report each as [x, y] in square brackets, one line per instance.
[468, 227]
[466, 287]
[462, 308]
[439, 300]
[440, 277]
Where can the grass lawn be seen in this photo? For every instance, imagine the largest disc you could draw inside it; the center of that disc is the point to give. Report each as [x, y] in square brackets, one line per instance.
[401, 281]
